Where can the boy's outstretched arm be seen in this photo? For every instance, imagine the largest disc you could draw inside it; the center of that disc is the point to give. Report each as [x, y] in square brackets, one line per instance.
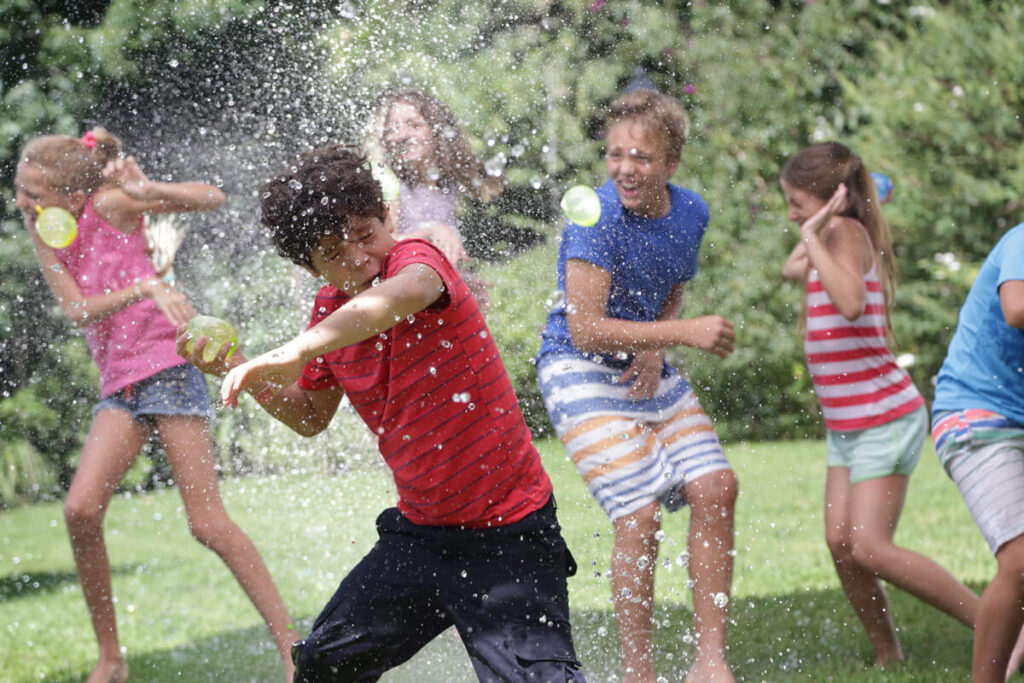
[306, 412]
[369, 313]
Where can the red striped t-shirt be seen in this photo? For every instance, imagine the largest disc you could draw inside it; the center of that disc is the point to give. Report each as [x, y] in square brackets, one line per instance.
[855, 374]
[435, 391]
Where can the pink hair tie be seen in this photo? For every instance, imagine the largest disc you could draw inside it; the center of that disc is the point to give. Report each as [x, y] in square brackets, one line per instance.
[89, 140]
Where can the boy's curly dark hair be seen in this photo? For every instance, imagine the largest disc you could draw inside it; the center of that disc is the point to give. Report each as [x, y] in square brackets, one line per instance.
[314, 196]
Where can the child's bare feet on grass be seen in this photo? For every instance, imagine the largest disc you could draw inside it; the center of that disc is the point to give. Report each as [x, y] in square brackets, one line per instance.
[710, 671]
[109, 671]
[887, 662]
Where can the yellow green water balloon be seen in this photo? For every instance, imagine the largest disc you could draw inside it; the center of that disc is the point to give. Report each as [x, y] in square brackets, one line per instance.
[581, 205]
[387, 179]
[217, 332]
[57, 228]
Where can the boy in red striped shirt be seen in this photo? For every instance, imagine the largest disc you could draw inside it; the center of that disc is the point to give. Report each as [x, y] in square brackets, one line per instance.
[474, 541]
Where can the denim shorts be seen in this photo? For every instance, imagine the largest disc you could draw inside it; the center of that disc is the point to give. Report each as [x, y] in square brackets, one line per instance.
[180, 390]
[875, 452]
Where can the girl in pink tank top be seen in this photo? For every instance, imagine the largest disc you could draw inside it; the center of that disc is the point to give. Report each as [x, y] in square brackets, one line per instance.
[106, 285]
[874, 415]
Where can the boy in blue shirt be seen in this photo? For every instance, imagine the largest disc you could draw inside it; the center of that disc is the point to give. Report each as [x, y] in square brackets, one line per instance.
[978, 429]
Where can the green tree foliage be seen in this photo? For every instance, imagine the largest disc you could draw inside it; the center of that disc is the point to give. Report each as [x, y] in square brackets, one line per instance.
[928, 94]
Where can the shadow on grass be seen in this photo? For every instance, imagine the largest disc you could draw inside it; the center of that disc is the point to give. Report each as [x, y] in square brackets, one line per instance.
[805, 636]
[35, 584]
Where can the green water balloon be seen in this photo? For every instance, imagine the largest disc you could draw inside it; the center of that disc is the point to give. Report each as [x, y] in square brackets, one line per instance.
[217, 332]
[581, 205]
[387, 179]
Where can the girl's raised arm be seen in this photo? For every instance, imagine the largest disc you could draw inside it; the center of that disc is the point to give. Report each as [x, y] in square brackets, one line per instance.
[138, 195]
[795, 267]
[840, 252]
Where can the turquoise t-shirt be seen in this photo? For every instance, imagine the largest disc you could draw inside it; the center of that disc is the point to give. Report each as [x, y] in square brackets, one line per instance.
[984, 365]
[646, 258]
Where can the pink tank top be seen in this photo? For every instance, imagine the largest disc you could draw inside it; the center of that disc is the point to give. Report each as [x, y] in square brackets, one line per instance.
[855, 374]
[138, 341]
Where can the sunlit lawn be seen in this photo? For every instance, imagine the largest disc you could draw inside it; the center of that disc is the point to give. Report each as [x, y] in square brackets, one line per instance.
[183, 618]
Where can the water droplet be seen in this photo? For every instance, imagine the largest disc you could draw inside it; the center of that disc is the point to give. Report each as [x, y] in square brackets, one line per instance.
[294, 184]
[495, 165]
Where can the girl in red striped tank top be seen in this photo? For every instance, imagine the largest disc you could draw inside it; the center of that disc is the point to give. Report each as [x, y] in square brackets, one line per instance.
[875, 417]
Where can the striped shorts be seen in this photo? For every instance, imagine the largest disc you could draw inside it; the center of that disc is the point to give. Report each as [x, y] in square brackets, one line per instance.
[629, 452]
[983, 453]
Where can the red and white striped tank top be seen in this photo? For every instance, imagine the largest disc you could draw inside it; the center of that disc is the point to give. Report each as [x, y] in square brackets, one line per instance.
[855, 374]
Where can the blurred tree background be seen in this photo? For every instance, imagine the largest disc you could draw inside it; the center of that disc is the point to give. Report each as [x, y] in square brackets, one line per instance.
[928, 93]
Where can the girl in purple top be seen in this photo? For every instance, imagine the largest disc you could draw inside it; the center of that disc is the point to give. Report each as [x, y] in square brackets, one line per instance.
[429, 152]
[106, 285]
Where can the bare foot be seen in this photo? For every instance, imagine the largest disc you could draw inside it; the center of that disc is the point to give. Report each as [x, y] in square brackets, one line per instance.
[1013, 666]
[886, 662]
[710, 671]
[109, 671]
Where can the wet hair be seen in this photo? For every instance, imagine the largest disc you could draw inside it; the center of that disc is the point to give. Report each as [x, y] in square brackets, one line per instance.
[70, 165]
[314, 196]
[457, 167]
[657, 112]
[818, 170]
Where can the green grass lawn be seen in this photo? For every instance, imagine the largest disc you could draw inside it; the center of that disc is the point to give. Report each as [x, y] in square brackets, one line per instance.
[183, 618]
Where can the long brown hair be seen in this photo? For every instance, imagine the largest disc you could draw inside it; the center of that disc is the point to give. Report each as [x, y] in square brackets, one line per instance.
[458, 168]
[73, 164]
[818, 170]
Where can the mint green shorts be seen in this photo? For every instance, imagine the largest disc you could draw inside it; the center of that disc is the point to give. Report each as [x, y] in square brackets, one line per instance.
[892, 448]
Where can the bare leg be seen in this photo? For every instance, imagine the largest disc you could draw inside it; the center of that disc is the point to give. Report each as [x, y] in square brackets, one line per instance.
[1000, 615]
[876, 505]
[711, 540]
[114, 442]
[633, 559]
[190, 452]
[1016, 656]
[863, 589]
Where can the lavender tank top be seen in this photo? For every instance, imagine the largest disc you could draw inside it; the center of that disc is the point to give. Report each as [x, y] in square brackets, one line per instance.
[138, 341]
[421, 205]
